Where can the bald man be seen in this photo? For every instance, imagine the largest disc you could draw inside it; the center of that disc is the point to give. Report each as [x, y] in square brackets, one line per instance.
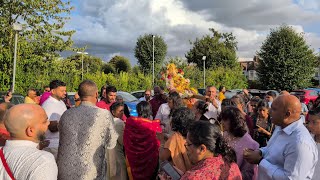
[27, 124]
[291, 152]
[86, 132]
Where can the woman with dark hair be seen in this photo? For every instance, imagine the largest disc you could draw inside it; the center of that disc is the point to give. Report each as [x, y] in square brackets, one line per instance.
[235, 133]
[238, 101]
[199, 108]
[174, 149]
[263, 125]
[314, 128]
[252, 107]
[210, 155]
[174, 101]
[141, 145]
[225, 103]
[103, 92]
[119, 163]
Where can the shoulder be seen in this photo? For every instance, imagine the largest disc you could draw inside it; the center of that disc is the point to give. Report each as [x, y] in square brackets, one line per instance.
[251, 143]
[164, 106]
[101, 104]
[47, 103]
[301, 140]
[118, 122]
[46, 158]
[234, 172]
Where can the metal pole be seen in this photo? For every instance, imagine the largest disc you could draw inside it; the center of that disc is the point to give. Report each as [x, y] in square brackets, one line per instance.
[15, 61]
[82, 66]
[204, 73]
[319, 70]
[87, 68]
[152, 60]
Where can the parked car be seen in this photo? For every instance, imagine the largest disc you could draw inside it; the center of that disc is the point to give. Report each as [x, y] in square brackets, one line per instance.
[306, 96]
[16, 98]
[130, 101]
[261, 93]
[232, 92]
[315, 89]
[257, 92]
[139, 94]
[202, 91]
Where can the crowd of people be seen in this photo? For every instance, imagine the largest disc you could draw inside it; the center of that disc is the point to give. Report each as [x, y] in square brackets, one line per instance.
[199, 137]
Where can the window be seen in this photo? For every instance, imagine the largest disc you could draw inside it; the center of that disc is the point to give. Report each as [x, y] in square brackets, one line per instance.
[252, 75]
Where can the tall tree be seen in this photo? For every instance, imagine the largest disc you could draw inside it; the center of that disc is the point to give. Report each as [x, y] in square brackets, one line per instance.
[144, 51]
[42, 38]
[285, 60]
[120, 63]
[219, 49]
[108, 68]
[91, 64]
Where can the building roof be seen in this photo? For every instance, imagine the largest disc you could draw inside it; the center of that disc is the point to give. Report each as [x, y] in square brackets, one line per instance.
[241, 59]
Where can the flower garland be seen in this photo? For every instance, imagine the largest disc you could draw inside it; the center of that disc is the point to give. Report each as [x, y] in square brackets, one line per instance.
[176, 82]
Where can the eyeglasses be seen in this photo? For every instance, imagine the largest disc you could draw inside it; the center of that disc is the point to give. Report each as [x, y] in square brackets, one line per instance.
[187, 145]
[147, 94]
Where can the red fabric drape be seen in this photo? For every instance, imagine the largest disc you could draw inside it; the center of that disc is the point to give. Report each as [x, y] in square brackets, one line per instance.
[141, 147]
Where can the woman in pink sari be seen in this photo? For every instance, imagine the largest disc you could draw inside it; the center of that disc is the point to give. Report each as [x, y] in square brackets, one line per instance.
[141, 145]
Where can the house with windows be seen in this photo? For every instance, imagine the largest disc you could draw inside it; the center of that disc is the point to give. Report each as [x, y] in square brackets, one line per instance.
[249, 66]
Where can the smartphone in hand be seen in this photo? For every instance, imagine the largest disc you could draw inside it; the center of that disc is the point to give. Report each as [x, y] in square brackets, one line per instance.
[170, 171]
[9, 91]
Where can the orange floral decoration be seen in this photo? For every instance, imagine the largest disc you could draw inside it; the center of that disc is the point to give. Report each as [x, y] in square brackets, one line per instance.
[176, 82]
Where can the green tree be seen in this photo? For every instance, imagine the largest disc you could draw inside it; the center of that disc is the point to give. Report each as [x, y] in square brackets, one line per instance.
[120, 64]
[40, 41]
[108, 68]
[144, 51]
[285, 60]
[219, 49]
[91, 64]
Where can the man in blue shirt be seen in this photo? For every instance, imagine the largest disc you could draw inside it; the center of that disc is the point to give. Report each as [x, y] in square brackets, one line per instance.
[291, 152]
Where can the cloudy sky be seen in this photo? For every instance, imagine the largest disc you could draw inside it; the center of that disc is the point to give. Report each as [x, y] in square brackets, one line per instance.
[111, 27]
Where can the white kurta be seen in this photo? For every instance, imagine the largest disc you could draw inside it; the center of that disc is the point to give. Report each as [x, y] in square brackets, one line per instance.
[27, 162]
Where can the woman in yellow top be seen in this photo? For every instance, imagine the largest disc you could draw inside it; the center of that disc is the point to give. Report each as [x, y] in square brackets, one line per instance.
[174, 150]
[221, 96]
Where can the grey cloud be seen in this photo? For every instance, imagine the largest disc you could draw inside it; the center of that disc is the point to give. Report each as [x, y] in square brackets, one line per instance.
[113, 26]
[252, 14]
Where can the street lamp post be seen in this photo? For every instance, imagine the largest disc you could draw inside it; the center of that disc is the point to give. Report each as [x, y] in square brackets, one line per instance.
[204, 71]
[152, 60]
[16, 27]
[82, 53]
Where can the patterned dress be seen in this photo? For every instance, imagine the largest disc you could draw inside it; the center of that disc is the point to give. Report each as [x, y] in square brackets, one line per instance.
[213, 168]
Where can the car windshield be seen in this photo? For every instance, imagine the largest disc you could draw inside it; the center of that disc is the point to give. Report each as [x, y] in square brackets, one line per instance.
[16, 98]
[127, 97]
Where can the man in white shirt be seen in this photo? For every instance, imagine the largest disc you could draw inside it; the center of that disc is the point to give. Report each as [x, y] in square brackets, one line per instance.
[27, 124]
[214, 108]
[54, 107]
[291, 152]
